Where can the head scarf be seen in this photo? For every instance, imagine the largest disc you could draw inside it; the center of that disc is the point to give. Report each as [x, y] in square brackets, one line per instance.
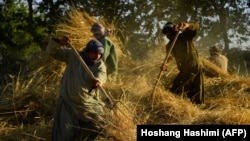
[92, 45]
[169, 30]
[98, 30]
[214, 50]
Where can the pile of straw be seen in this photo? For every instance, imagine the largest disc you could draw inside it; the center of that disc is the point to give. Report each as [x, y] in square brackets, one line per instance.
[33, 94]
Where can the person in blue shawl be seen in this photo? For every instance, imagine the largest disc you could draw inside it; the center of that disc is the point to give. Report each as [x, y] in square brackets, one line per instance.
[79, 108]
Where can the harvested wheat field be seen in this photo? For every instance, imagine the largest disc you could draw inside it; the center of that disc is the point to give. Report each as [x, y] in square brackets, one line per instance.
[28, 102]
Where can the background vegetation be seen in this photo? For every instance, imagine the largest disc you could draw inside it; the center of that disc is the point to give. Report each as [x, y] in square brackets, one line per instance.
[30, 78]
[26, 24]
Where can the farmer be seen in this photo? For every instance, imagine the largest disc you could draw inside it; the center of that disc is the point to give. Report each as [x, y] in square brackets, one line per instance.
[189, 80]
[78, 109]
[110, 57]
[217, 58]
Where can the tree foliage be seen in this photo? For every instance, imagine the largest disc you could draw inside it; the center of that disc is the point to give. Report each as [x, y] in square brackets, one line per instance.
[20, 38]
[25, 24]
[223, 22]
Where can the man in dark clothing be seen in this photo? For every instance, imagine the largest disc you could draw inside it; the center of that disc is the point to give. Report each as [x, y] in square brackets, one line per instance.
[189, 81]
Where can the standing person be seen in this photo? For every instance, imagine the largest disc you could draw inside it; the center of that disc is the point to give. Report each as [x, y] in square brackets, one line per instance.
[110, 57]
[190, 77]
[218, 59]
[78, 106]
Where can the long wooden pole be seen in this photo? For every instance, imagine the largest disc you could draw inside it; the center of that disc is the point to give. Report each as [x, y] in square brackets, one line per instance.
[164, 62]
[110, 98]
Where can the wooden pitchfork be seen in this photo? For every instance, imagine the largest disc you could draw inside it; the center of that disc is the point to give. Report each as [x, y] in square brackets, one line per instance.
[112, 101]
[164, 62]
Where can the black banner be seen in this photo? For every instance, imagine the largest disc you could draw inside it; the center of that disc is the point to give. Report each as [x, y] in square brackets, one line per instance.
[187, 132]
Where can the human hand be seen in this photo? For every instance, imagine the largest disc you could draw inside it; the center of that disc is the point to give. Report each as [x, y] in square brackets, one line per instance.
[95, 84]
[182, 26]
[64, 41]
[164, 67]
[107, 32]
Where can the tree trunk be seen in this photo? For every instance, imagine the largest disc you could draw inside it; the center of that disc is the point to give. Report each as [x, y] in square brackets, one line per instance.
[30, 19]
